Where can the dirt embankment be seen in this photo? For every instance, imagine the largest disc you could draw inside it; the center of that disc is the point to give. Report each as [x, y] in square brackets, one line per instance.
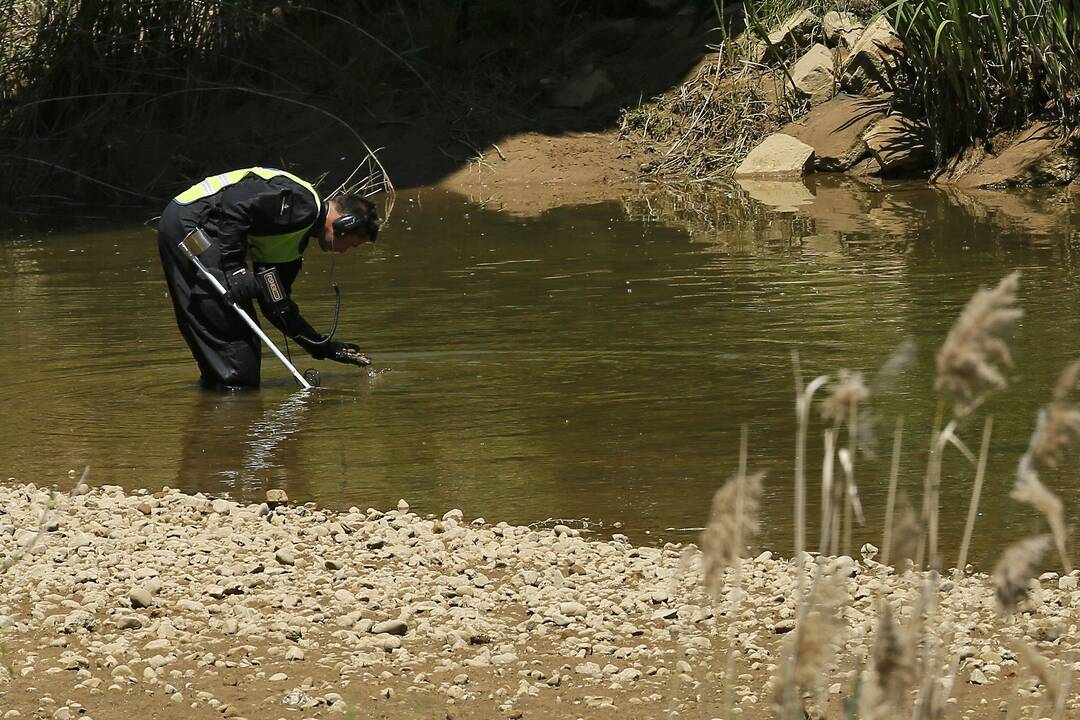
[169, 605]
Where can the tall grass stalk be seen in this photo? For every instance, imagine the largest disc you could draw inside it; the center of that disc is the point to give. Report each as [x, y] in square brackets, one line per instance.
[931, 459]
[890, 501]
[976, 493]
[827, 469]
[803, 403]
[736, 593]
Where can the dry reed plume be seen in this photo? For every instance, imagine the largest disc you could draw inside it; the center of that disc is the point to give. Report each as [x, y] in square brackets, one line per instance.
[1062, 426]
[1030, 490]
[732, 521]
[890, 673]
[1055, 681]
[846, 394]
[967, 363]
[907, 534]
[811, 647]
[1015, 568]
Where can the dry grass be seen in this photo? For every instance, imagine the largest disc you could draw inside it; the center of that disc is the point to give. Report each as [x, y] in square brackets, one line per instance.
[811, 647]
[1062, 427]
[733, 520]
[705, 127]
[1054, 681]
[890, 674]
[1017, 565]
[970, 360]
[845, 395]
[917, 658]
[1030, 490]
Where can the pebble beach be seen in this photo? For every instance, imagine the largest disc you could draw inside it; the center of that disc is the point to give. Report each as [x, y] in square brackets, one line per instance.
[167, 605]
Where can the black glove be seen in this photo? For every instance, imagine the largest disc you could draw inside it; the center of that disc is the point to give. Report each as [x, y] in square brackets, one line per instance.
[242, 284]
[347, 353]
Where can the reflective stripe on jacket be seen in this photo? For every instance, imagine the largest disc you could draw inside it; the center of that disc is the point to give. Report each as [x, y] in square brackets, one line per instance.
[281, 248]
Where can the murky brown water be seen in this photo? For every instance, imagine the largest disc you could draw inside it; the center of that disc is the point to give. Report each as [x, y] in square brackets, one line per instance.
[595, 362]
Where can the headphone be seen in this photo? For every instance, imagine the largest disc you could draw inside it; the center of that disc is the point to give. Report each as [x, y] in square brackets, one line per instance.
[367, 224]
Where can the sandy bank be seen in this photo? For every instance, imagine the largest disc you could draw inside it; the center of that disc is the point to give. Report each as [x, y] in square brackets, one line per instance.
[177, 606]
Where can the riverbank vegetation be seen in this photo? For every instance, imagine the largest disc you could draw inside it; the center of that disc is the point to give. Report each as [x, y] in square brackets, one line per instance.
[128, 100]
[973, 72]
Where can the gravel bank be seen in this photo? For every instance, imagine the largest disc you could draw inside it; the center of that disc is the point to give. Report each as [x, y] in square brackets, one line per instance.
[169, 605]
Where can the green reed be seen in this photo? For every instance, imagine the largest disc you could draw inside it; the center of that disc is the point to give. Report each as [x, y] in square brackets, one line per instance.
[982, 66]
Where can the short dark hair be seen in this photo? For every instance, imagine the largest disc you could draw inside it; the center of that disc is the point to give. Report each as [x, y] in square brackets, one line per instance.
[360, 214]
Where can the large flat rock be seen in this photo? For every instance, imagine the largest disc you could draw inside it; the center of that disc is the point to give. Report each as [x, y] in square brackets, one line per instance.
[1036, 157]
[777, 155]
[835, 130]
[901, 145]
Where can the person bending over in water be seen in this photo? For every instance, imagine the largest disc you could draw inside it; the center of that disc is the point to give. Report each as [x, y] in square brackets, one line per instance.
[266, 216]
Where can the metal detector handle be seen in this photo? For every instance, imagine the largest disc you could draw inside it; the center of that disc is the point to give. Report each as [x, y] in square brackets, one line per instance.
[196, 244]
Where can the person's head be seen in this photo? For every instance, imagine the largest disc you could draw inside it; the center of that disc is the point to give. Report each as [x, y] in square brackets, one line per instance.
[351, 220]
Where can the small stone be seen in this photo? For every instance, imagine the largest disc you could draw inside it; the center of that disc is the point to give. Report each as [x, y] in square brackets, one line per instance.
[129, 622]
[276, 498]
[294, 653]
[140, 598]
[79, 540]
[390, 627]
[390, 643]
[402, 505]
[279, 677]
[285, 556]
[221, 507]
[573, 609]
[145, 508]
[978, 677]
[784, 626]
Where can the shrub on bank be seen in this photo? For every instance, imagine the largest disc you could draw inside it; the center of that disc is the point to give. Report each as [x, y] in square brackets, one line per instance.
[978, 67]
[964, 74]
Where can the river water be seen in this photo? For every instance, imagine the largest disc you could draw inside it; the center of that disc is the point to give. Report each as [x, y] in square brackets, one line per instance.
[593, 364]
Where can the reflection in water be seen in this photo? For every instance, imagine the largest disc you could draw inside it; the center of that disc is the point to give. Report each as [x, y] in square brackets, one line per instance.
[591, 362]
[241, 443]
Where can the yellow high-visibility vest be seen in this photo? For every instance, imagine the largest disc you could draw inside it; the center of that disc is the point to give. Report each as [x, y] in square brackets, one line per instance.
[285, 247]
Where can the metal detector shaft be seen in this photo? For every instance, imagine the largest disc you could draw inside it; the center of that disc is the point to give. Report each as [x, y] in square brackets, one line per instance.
[192, 247]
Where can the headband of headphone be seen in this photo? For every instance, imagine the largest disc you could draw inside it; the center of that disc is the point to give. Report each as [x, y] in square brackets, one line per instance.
[366, 224]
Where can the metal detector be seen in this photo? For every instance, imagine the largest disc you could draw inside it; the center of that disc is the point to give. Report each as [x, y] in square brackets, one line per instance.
[194, 245]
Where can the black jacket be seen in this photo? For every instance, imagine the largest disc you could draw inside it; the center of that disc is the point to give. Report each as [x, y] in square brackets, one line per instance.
[258, 207]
